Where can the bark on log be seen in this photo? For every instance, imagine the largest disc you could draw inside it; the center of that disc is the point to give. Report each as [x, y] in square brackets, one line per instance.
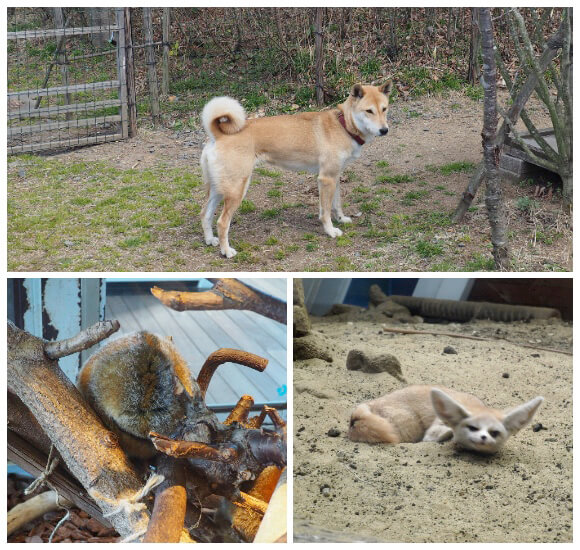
[90, 451]
[34, 508]
[226, 294]
[168, 514]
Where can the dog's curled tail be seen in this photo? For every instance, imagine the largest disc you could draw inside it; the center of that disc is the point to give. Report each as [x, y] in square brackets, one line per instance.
[223, 115]
[370, 427]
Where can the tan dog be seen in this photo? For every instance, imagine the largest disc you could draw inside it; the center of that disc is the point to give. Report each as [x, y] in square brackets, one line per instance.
[321, 143]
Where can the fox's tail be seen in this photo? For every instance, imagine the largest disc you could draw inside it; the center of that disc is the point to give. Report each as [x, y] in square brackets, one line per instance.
[370, 427]
[223, 115]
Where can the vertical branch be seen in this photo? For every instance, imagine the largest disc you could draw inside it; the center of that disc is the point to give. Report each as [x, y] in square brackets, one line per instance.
[493, 196]
[474, 47]
[319, 57]
[165, 76]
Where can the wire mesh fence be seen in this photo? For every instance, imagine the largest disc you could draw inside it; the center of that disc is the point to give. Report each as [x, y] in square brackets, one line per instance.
[66, 77]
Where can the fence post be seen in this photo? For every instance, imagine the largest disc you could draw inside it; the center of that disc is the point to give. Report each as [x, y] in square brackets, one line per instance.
[130, 68]
[150, 61]
[165, 79]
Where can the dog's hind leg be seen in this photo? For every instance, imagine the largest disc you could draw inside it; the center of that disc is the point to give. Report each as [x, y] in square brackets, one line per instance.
[337, 206]
[327, 188]
[207, 213]
[232, 200]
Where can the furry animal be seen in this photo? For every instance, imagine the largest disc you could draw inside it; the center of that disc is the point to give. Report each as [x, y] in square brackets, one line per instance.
[137, 384]
[433, 413]
[319, 142]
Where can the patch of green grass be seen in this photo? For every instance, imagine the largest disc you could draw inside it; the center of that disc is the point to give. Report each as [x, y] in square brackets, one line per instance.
[343, 263]
[261, 171]
[274, 193]
[253, 100]
[425, 82]
[304, 96]
[343, 240]
[370, 206]
[271, 241]
[371, 68]
[246, 207]
[412, 196]
[361, 189]
[426, 249]
[474, 92]
[311, 247]
[445, 265]
[479, 262]
[382, 164]
[397, 178]
[525, 204]
[349, 176]
[271, 213]
[453, 167]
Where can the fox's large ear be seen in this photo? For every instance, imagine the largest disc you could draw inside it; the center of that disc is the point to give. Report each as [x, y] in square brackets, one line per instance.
[386, 88]
[357, 91]
[447, 409]
[517, 418]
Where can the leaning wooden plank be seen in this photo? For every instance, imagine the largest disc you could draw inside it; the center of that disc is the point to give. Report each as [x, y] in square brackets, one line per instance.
[61, 90]
[73, 142]
[62, 124]
[34, 508]
[58, 109]
[51, 33]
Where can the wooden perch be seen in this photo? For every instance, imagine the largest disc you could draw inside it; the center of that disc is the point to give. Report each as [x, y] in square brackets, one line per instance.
[168, 514]
[34, 508]
[273, 527]
[83, 340]
[226, 294]
[90, 451]
[227, 355]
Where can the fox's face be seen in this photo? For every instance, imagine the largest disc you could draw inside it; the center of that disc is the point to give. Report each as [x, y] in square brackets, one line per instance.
[484, 431]
[369, 108]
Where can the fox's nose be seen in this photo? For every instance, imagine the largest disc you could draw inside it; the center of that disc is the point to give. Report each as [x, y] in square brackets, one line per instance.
[384, 131]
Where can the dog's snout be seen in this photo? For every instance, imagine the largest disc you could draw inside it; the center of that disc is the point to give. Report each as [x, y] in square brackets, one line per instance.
[384, 131]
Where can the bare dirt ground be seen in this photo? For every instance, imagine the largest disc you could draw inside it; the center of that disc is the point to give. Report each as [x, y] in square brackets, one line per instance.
[431, 492]
[397, 226]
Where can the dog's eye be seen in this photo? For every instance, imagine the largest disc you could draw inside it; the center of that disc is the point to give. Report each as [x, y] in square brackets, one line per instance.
[494, 433]
[472, 428]
[384, 109]
[370, 111]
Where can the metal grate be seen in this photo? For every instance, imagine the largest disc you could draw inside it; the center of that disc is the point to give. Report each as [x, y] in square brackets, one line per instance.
[66, 78]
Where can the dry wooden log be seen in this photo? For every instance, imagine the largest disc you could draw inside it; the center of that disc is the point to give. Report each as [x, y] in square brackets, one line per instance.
[90, 451]
[34, 508]
[226, 294]
[166, 524]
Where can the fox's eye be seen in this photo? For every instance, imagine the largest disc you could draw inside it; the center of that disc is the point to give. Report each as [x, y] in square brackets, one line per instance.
[370, 111]
[494, 433]
[472, 428]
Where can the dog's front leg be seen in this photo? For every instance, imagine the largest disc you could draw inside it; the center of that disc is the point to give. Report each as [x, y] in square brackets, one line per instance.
[326, 188]
[337, 206]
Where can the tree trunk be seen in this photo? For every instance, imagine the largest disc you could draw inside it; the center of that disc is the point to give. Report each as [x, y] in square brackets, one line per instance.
[493, 195]
[319, 57]
[473, 68]
[553, 45]
[150, 62]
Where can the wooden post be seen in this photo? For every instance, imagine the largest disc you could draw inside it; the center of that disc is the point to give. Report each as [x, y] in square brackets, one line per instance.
[150, 61]
[319, 57]
[61, 57]
[165, 79]
[122, 70]
[130, 75]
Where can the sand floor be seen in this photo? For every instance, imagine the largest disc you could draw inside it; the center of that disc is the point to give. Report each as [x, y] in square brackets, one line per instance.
[431, 492]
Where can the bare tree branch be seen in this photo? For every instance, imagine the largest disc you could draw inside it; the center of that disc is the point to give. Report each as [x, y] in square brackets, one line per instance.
[83, 340]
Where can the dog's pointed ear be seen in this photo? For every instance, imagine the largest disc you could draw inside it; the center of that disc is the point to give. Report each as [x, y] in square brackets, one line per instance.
[386, 88]
[357, 91]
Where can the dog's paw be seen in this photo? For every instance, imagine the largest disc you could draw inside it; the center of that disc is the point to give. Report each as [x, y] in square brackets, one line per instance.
[345, 219]
[213, 241]
[334, 232]
[229, 252]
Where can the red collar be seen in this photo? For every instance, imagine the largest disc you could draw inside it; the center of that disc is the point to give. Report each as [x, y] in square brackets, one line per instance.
[358, 139]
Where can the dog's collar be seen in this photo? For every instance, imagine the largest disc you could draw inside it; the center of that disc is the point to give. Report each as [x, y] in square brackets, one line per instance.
[358, 139]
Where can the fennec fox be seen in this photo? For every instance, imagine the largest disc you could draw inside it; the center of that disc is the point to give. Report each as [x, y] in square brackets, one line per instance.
[433, 413]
